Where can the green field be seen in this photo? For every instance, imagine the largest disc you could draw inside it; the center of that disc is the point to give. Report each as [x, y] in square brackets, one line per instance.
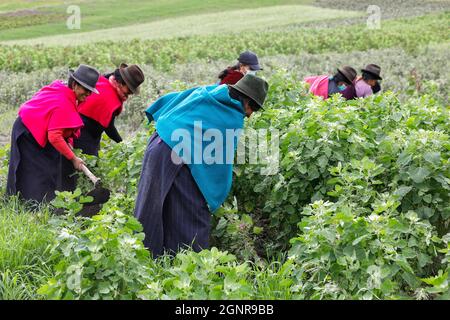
[103, 14]
[200, 24]
[359, 208]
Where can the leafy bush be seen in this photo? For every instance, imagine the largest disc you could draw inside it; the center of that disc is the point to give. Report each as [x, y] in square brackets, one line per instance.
[357, 149]
[98, 258]
[342, 253]
[210, 274]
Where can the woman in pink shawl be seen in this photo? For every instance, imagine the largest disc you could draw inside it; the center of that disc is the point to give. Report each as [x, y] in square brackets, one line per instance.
[324, 86]
[99, 111]
[42, 159]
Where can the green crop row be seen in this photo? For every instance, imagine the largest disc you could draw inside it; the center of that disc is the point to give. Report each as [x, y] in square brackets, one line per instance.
[408, 34]
[406, 74]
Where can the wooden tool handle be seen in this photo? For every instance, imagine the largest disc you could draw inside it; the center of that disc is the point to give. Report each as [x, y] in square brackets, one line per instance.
[89, 174]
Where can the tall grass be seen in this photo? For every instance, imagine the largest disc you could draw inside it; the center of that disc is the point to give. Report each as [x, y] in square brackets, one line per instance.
[24, 256]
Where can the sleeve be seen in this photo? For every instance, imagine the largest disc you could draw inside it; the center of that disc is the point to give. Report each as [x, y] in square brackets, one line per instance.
[56, 138]
[349, 93]
[112, 132]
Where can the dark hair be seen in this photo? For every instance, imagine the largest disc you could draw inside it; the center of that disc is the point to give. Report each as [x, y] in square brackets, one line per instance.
[338, 77]
[368, 76]
[224, 73]
[71, 82]
[237, 95]
[116, 75]
[376, 88]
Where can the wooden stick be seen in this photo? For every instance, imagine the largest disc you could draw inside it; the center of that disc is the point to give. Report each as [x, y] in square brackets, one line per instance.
[89, 174]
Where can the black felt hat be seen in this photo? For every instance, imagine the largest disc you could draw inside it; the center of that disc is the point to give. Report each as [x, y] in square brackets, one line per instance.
[86, 76]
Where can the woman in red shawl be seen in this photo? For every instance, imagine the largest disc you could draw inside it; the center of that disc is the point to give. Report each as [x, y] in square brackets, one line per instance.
[42, 159]
[247, 64]
[99, 111]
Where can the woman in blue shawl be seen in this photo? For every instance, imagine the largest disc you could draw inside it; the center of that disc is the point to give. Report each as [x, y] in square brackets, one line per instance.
[188, 164]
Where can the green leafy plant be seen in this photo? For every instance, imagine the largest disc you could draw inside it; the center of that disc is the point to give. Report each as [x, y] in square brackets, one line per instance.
[343, 254]
[98, 258]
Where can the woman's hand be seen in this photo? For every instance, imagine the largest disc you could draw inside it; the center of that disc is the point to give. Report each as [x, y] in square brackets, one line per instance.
[77, 163]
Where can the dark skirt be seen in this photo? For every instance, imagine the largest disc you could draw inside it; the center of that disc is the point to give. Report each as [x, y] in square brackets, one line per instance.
[90, 136]
[169, 204]
[35, 172]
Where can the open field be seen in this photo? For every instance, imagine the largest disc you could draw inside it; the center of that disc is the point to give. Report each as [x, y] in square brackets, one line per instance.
[200, 24]
[359, 208]
[102, 14]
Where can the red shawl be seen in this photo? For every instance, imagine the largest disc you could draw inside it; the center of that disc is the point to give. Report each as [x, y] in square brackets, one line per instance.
[101, 107]
[232, 77]
[52, 107]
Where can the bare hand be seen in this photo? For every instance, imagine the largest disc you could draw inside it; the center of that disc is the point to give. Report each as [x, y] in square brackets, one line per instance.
[77, 163]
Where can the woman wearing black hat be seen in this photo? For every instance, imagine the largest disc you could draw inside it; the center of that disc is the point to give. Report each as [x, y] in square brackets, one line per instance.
[179, 188]
[324, 86]
[247, 64]
[99, 111]
[41, 158]
[365, 85]
[369, 81]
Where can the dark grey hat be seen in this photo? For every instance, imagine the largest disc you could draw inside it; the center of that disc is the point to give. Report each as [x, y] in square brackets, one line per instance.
[86, 76]
[132, 75]
[251, 59]
[253, 87]
[349, 73]
[373, 70]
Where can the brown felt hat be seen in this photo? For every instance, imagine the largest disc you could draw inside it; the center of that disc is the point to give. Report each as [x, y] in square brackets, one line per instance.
[374, 70]
[132, 75]
[349, 73]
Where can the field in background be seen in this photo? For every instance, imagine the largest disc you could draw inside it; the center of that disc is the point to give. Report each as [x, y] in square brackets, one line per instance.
[380, 166]
[233, 21]
[37, 19]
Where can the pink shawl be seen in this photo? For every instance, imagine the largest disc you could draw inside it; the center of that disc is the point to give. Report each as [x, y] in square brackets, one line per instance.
[52, 107]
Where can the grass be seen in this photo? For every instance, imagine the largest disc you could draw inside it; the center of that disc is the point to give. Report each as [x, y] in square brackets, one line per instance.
[102, 14]
[6, 120]
[24, 258]
[211, 24]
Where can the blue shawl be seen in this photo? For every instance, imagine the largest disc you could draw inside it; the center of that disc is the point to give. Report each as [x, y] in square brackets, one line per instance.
[194, 112]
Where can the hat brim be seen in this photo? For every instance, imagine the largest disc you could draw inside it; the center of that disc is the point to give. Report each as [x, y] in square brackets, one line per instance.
[132, 89]
[84, 85]
[348, 80]
[247, 94]
[377, 77]
[255, 67]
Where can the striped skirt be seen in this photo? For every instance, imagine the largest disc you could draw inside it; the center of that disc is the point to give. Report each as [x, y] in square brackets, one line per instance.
[169, 204]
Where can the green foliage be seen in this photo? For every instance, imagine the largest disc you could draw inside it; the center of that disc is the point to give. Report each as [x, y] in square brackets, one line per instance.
[237, 232]
[71, 202]
[362, 191]
[377, 256]
[357, 150]
[210, 274]
[98, 258]
[439, 284]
